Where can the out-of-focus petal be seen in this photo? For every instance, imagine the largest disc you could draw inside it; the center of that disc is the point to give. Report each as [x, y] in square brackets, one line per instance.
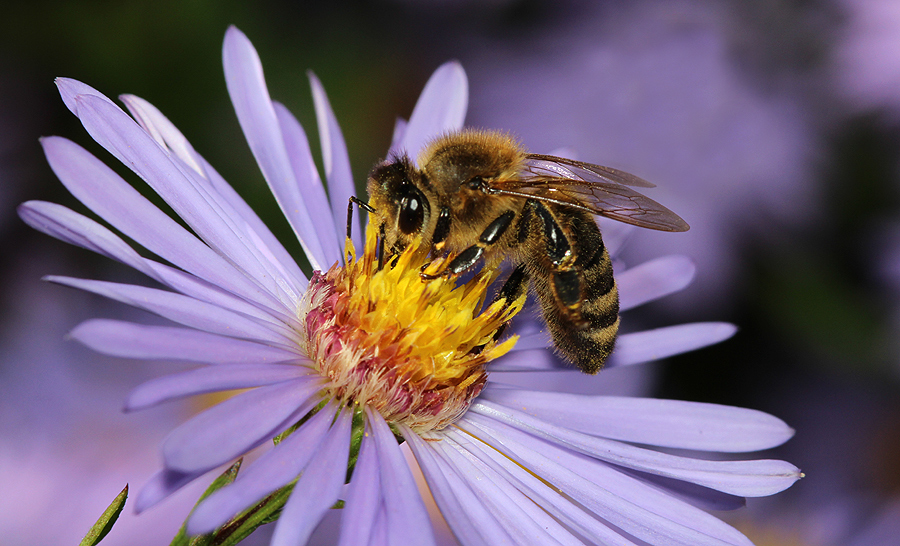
[130, 340]
[743, 478]
[653, 280]
[364, 498]
[250, 97]
[161, 485]
[407, 518]
[651, 421]
[274, 469]
[237, 425]
[649, 345]
[441, 109]
[336, 161]
[318, 487]
[210, 379]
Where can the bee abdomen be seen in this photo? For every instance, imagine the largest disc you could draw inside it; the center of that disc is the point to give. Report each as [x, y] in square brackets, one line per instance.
[579, 298]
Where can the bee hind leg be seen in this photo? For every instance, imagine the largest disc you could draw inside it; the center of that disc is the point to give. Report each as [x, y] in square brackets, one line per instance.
[512, 289]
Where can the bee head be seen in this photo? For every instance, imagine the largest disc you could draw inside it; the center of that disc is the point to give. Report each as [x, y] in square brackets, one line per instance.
[395, 192]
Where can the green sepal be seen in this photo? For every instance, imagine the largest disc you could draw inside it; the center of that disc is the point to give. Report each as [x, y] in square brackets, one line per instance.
[182, 539]
[239, 527]
[106, 521]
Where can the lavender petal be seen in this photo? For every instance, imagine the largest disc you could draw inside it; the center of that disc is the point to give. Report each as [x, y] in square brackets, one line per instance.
[210, 379]
[650, 421]
[236, 425]
[335, 159]
[274, 469]
[130, 340]
[203, 213]
[441, 109]
[69, 89]
[260, 239]
[472, 523]
[549, 499]
[653, 280]
[407, 518]
[253, 106]
[309, 183]
[754, 478]
[638, 509]
[318, 487]
[523, 519]
[178, 308]
[110, 197]
[649, 345]
[364, 498]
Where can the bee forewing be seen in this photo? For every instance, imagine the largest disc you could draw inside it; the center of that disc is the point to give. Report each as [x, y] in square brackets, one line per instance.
[560, 167]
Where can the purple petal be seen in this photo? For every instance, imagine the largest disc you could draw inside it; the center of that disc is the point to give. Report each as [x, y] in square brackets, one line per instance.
[363, 499]
[237, 425]
[125, 139]
[76, 229]
[169, 137]
[130, 340]
[653, 280]
[743, 478]
[73, 228]
[336, 160]
[441, 109]
[638, 509]
[69, 89]
[111, 198]
[548, 499]
[308, 182]
[407, 518]
[649, 345]
[161, 485]
[470, 520]
[318, 487]
[181, 309]
[521, 517]
[397, 136]
[210, 379]
[274, 469]
[250, 97]
[666, 423]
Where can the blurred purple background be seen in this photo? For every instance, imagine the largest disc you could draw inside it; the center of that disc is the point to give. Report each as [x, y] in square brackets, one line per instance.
[772, 127]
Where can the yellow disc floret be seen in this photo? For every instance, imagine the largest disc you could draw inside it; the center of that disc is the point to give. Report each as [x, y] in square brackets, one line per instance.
[414, 349]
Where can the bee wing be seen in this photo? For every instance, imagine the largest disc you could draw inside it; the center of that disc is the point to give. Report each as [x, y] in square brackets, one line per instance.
[592, 188]
[560, 167]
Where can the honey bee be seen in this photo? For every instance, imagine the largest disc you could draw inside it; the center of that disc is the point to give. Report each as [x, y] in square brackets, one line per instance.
[478, 196]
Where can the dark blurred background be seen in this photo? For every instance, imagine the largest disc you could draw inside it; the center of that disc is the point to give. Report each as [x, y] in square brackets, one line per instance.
[771, 126]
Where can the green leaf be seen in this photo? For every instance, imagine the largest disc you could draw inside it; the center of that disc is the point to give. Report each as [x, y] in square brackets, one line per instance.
[106, 521]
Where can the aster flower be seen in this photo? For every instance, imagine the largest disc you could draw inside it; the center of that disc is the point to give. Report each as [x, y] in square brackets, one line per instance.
[357, 356]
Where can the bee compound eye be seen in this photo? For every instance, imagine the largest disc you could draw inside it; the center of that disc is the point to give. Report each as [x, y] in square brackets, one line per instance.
[411, 214]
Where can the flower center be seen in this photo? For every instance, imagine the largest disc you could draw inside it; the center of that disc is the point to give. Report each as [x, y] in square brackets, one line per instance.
[413, 349]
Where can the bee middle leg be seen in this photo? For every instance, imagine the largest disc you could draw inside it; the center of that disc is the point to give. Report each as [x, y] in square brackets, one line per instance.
[467, 259]
[513, 288]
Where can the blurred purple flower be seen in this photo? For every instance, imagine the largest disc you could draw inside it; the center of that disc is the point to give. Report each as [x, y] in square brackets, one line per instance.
[867, 58]
[651, 88]
[516, 466]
